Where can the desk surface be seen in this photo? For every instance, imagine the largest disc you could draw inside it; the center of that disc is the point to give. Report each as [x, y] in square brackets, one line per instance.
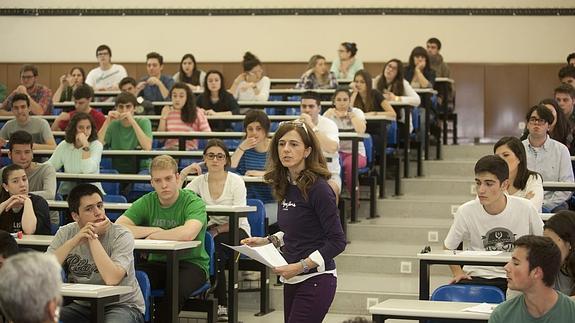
[451, 255]
[418, 308]
[548, 185]
[135, 177]
[93, 291]
[142, 244]
[125, 206]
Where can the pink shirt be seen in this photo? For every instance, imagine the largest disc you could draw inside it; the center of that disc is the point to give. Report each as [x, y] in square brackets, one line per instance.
[174, 123]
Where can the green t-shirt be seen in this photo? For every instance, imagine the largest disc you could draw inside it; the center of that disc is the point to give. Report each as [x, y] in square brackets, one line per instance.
[146, 211]
[515, 311]
[119, 137]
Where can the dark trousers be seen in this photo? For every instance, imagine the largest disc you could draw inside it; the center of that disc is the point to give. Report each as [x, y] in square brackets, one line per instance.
[309, 301]
[223, 255]
[191, 277]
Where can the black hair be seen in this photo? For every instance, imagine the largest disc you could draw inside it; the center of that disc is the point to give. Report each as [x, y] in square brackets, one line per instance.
[311, 95]
[20, 137]
[565, 89]
[541, 252]
[216, 142]
[562, 129]
[543, 113]
[563, 224]
[516, 146]
[338, 90]
[126, 97]
[81, 72]
[29, 68]
[83, 91]
[78, 192]
[8, 170]
[493, 164]
[419, 51]
[570, 57]
[250, 61]
[71, 130]
[127, 80]
[566, 71]
[359, 103]
[435, 41]
[189, 110]
[103, 47]
[350, 47]
[8, 245]
[396, 86]
[21, 97]
[194, 79]
[154, 55]
[221, 91]
[256, 115]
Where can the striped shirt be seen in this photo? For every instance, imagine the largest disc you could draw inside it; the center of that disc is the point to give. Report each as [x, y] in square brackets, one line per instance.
[174, 123]
[253, 160]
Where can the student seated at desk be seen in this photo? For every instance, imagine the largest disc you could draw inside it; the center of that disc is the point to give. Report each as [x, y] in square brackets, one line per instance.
[8, 246]
[155, 86]
[144, 107]
[490, 222]
[82, 97]
[318, 75]
[121, 131]
[522, 181]
[346, 63]
[39, 96]
[221, 187]
[436, 62]
[548, 157]
[20, 210]
[80, 152]
[93, 250]
[216, 100]
[565, 96]
[30, 283]
[252, 84]
[23, 121]
[182, 115]
[170, 213]
[347, 118]
[532, 270]
[393, 86]
[419, 73]
[190, 74]
[567, 75]
[106, 76]
[561, 229]
[69, 83]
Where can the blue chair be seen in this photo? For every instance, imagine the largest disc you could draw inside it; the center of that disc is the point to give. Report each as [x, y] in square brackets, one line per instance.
[61, 215]
[468, 293]
[110, 187]
[106, 163]
[257, 219]
[111, 198]
[146, 289]
[140, 189]
[366, 176]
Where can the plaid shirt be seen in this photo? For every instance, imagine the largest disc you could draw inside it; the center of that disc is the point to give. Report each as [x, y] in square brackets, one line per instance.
[39, 93]
[310, 82]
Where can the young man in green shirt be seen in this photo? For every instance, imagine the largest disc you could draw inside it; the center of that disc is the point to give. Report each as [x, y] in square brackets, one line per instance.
[121, 131]
[170, 213]
[532, 270]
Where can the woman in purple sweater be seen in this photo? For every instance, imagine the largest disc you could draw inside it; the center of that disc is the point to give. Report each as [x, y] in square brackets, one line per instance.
[311, 235]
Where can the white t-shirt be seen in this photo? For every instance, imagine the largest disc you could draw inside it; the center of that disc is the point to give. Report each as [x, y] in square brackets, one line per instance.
[234, 193]
[480, 230]
[248, 94]
[534, 185]
[100, 79]
[330, 130]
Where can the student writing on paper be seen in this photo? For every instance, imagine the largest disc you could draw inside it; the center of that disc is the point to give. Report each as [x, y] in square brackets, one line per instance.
[311, 235]
[492, 221]
[532, 270]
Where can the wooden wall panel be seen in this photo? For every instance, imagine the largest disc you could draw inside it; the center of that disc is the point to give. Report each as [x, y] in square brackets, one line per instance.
[506, 98]
[542, 80]
[469, 100]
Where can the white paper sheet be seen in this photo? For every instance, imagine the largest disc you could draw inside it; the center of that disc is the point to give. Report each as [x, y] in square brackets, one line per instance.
[479, 253]
[267, 255]
[83, 287]
[481, 308]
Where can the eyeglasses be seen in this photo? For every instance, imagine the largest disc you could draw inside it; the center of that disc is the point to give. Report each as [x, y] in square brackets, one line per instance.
[296, 123]
[211, 156]
[27, 77]
[534, 120]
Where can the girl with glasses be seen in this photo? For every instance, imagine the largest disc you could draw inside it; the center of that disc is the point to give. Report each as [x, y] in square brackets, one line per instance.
[393, 86]
[346, 64]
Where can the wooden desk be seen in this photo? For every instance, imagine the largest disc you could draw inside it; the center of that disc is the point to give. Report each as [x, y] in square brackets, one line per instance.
[97, 295]
[449, 257]
[172, 249]
[424, 310]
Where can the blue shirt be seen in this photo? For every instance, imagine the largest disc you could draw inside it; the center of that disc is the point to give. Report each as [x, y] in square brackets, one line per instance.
[253, 160]
[152, 92]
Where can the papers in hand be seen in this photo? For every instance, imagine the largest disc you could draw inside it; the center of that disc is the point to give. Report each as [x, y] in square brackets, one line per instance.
[267, 255]
[479, 253]
[481, 308]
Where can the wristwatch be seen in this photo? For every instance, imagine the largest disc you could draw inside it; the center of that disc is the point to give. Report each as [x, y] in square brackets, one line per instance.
[305, 266]
[86, 148]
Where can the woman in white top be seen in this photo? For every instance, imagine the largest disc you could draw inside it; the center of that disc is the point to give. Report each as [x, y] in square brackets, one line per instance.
[220, 187]
[251, 85]
[393, 86]
[190, 74]
[346, 63]
[522, 182]
[80, 152]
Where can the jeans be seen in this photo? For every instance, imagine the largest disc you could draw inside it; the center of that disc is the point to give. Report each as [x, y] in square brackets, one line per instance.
[116, 313]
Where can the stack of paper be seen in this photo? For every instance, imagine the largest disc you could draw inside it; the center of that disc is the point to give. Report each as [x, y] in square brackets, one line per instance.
[481, 308]
[267, 255]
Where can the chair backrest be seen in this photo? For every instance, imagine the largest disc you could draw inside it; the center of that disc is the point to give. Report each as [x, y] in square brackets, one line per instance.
[257, 219]
[468, 293]
[110, 187]
[392, 133]
[146, 289]
[110, 198]
[368, 144]
[211, 250]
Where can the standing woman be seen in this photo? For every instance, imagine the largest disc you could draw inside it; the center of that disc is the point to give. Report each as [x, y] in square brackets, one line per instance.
[68, 83]
[220, 187]
[317, 76]
[80, 152]
[311, 235]
[182, 115]
[216, 100]
[346, 64]
[561, 229]
[251, 85]
[393, 86]
[522, 181]
[20, 210]
[190, 74]
[347, 118]
[419, 73]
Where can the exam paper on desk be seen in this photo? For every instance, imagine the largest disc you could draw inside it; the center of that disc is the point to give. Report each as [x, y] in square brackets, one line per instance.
[479, 253]
[267, 255]
[481, 308]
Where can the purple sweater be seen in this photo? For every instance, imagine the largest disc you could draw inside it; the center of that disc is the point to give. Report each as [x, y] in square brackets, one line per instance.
[311, 225]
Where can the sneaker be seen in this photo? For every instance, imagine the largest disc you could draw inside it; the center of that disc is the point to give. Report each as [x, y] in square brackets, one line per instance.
[222, 313]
